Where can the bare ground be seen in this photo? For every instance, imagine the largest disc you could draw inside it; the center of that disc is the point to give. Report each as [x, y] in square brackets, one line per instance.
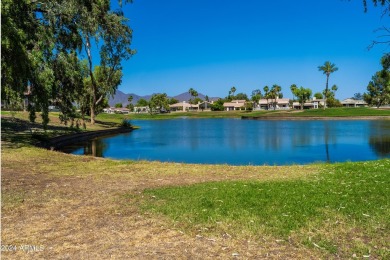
[70, 207]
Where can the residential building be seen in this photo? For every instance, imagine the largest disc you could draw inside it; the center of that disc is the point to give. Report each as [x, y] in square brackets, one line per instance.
[281, 103]
[184, 106]
[116, 110]
[310, 104]
[349, 102]
[234, 105]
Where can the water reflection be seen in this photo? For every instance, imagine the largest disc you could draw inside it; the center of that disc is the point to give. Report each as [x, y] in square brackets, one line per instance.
[380, 138]
[96, 147]
[242, 142]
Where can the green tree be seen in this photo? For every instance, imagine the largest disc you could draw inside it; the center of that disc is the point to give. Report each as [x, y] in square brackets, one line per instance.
[37, 33]
[328, 68]
[142, 103]
[241, 96]
[378, 89]
[256, 96]
[357, 96]
[318, 95]
[130, 106]
[99, 26]
[196, 101]
[68, 86]
[172, 101]
[293, 88]
[118, 105]
[275, 92]
[193, 94]
[158, 102]
[106, 87]
[218, 105]
[233, 90]
[266, 94]
[302, 94]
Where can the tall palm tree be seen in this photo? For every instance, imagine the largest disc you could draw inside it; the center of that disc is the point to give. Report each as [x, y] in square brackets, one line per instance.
[266, 94]
[293, 88]
[275, 93]
[233, 89]
[193, 94]
[328, 68]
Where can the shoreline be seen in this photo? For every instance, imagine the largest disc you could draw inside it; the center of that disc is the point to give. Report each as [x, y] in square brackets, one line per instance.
[315, 118]
[60, 141]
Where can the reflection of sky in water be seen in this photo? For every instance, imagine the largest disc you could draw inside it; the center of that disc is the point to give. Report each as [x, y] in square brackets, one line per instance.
[243, 142]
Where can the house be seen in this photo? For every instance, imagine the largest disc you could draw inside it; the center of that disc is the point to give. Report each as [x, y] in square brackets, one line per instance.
[306, 105]
[206, 105]
[141, 109]
[281, 103]
[310, 104]
[234, 105]
[349, 102]
[318, 102]
[184, 106]
[122, 110]
[116, 110]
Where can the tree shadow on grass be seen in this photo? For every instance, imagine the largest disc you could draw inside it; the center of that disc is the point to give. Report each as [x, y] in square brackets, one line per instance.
[16, 133]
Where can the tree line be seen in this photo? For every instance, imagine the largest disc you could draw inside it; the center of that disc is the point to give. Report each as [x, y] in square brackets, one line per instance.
[67, 52]
[62, 52]
[377, 94]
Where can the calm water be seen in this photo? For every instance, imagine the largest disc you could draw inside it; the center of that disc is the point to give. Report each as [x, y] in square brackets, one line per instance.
[243, 142]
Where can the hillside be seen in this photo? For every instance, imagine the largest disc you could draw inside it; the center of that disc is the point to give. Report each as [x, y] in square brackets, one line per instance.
[121, 97]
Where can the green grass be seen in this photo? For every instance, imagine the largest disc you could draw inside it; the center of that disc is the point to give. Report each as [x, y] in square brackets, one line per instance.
[329, 112]
[205, 114]
[354, 194]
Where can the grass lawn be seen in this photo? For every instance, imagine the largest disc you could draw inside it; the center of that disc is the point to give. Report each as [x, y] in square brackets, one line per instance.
[342, 209]
[329, 112]
[83, 207]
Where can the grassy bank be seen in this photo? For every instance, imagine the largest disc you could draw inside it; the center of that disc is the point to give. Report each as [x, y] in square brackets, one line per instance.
[85, 207]
[104, 121]
[329, 112]
[342, 209]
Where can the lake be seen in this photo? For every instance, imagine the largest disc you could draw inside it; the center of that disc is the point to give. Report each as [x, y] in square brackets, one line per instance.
[245, 142]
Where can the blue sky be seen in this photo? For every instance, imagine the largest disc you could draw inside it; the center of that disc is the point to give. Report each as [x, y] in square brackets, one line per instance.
[212, 45]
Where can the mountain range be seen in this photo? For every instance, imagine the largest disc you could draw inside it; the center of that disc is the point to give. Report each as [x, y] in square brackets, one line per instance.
[122, 98]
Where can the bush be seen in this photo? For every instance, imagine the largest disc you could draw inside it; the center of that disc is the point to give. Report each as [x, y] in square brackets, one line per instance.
[126, 123]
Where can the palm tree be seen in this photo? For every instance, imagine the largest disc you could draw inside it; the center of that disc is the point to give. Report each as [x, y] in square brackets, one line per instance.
[232, 90]
[266, 94]
[193, 93]
[328, 68]
[130, 98]
[293, 88]
[256, 96]
[275, 93]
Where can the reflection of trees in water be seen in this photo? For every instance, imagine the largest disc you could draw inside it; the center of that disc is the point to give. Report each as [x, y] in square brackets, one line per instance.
[380, 145]
[380, 137]
[330, 136]
[326, 139]
[273, 138]
[96, 147]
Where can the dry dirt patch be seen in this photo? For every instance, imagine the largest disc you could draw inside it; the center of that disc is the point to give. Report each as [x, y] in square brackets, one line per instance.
[72, 207]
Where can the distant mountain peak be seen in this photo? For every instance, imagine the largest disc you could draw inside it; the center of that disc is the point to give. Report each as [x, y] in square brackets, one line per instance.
[121, 97]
